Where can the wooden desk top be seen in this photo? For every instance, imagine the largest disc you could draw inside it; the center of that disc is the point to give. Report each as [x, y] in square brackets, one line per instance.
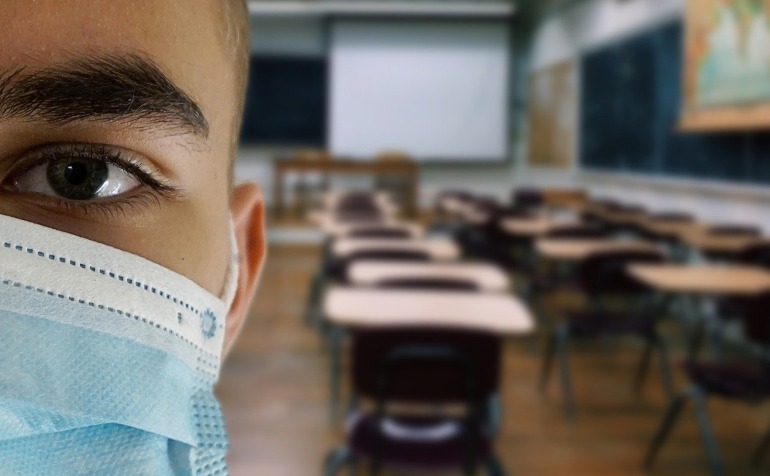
[438, 249]
[672, 228]
[704, 279]
[357, 307]
[341, 230]
[536, 226]
[464, 210]
[710, 242]
[487, 277]
[578, 250]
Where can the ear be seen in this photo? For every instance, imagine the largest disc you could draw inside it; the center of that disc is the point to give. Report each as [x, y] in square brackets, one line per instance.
[248, 212]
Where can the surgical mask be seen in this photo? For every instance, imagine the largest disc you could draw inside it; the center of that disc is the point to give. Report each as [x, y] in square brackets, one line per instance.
[108, 360]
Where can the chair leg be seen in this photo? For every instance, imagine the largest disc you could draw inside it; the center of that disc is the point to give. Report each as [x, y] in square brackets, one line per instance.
[665, 369]
[707, 434]
[494, 468]
[562, 336]
[644, 366]
[696, 340]
[550, 352]
[312, 298]
[336, 336]
[335, 460]
[352, 467]
[672, 414]
[756, 460]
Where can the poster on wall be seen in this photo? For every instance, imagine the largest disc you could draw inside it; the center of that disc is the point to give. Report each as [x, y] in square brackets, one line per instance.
[552, 111]
[727, 65]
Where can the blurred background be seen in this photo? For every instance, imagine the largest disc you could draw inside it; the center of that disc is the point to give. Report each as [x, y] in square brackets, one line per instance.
[494, 169]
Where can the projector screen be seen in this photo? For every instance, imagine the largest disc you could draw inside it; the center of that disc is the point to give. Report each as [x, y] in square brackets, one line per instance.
[437, 90]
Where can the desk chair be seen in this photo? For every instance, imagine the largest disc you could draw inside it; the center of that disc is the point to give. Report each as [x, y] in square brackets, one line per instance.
[623, 228]
[429, 283]
[491, 243]
[667, 217]
[381, 232]
[357, 202]
[335, 270]
[329, 265]
[603, 278]
[428, 367]
[729, 308]
[396, 186]
[735, 230]
[748, 382]
[540, 283]
[527, 198]
[310, 186]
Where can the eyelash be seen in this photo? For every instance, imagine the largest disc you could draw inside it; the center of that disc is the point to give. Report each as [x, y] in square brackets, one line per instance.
[155, 189]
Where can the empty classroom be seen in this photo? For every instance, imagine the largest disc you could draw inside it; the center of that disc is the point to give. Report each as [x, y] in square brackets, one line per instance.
[525, 237]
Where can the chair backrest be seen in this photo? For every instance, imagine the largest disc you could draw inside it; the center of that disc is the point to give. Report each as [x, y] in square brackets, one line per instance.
[357, 204]
[432, 283]
[356, 197]
[606, 273]
[527, 197]
[487, 204]
[577, 232]
[624, 208]
[757, 255]
[381, 233]
[735, 230]
[425, 365]
[756, 321]
[362, 217]
[673, 217]
[386, 254]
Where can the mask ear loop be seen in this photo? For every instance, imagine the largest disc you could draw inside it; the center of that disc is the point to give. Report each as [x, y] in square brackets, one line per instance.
[231, 281]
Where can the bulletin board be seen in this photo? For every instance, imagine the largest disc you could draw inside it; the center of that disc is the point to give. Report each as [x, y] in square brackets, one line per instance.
[552, 116]
[726, 78]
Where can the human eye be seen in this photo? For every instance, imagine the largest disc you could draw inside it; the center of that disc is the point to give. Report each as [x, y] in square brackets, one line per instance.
[85, 175]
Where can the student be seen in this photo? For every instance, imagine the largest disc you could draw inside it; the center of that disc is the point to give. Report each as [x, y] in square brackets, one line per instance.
[127, 257]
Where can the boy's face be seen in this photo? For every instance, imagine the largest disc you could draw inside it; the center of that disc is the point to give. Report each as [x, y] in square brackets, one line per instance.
[89, 88]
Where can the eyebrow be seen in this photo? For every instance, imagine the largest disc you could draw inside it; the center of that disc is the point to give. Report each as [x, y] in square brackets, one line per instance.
[129, 89]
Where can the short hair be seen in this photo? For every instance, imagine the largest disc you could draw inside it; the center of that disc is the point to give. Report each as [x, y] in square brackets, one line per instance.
[236, 34]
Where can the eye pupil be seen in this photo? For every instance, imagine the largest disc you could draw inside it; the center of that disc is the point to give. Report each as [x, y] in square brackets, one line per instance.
[77, 179]
[76, 173]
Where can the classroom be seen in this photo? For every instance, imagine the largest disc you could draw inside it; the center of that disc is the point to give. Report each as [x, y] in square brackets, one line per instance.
[514, 237]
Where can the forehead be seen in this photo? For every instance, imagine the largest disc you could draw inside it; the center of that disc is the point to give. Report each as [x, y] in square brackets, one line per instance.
[184, 37]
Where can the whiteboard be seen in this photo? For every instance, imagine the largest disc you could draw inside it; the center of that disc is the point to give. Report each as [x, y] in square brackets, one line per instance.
[437, 90]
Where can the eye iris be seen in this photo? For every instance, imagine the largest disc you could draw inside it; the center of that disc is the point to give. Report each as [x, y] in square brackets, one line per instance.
[77, 179]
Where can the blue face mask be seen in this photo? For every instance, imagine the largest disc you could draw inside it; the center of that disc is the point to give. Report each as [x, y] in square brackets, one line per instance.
[108, 361]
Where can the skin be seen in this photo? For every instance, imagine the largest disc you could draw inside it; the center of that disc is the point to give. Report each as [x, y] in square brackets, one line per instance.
[186, 232]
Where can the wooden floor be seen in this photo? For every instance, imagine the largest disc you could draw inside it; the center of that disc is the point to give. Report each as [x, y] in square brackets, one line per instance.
[273, 390]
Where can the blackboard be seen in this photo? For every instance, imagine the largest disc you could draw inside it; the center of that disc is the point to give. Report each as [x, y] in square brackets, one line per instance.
[286, 101]
[631, 96]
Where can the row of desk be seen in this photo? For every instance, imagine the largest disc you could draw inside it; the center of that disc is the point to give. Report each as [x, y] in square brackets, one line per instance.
[360, 303]
[712, 267]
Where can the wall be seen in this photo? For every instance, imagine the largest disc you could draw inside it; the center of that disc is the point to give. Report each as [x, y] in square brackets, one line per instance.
[594, 23]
